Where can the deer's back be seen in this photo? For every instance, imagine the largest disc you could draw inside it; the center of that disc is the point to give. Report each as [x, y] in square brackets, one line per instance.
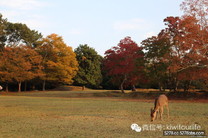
[161, 100]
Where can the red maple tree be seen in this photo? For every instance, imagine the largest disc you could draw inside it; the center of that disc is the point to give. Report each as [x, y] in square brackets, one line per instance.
[124, 62]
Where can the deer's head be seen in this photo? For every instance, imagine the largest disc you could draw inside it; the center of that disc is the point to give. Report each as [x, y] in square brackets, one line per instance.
[152, 114]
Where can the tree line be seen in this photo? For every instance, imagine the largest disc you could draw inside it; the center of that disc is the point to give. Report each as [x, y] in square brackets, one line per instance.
[176, 58]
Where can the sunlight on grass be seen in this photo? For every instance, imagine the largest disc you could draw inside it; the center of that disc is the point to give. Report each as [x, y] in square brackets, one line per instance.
[33, 116]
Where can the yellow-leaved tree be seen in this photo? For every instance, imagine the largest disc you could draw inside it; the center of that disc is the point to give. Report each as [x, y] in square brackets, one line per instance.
[59, 60]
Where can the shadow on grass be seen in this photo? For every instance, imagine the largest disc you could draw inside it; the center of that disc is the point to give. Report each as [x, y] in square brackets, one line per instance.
[152, 95]
[170, 95]
[114, 94]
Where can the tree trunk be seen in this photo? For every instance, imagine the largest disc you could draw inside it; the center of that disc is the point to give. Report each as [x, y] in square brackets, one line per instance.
[133, 88]
[121, 86]
[25, 86]
[175, 89]
[162, 89]
[160, 86]
[83, 88]
[7, 87]
[19, 84]
[44, 83]
[186, 86]
[33, 87]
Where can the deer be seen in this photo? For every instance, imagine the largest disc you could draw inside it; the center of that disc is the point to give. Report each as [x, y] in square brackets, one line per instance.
[160, 102]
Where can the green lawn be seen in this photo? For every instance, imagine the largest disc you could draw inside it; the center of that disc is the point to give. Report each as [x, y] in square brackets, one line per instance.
[57, 114]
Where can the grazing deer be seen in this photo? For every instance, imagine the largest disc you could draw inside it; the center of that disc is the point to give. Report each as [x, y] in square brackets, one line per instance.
[161, 101]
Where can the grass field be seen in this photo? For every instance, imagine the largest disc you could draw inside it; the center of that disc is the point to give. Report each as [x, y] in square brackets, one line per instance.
[64, 114]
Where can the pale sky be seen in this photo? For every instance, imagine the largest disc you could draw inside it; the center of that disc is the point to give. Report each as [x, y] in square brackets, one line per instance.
[99, 23]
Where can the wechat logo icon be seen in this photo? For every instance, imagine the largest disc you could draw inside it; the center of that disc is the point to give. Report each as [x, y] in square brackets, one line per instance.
[136, 127]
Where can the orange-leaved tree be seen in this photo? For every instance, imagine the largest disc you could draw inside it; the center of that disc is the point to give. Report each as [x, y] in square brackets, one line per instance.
[197, 9]
[19, 64]
[59, 60]
[188, 50]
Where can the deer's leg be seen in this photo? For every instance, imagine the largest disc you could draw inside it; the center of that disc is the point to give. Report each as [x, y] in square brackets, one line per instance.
[161, 113]
[157, 112]
[167, 110]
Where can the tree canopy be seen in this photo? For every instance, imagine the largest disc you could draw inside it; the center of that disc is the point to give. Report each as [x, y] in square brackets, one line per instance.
[18, 33]
[59, 60]
[124, 62]
[19, 64]
[89, 73]
[163, 61]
